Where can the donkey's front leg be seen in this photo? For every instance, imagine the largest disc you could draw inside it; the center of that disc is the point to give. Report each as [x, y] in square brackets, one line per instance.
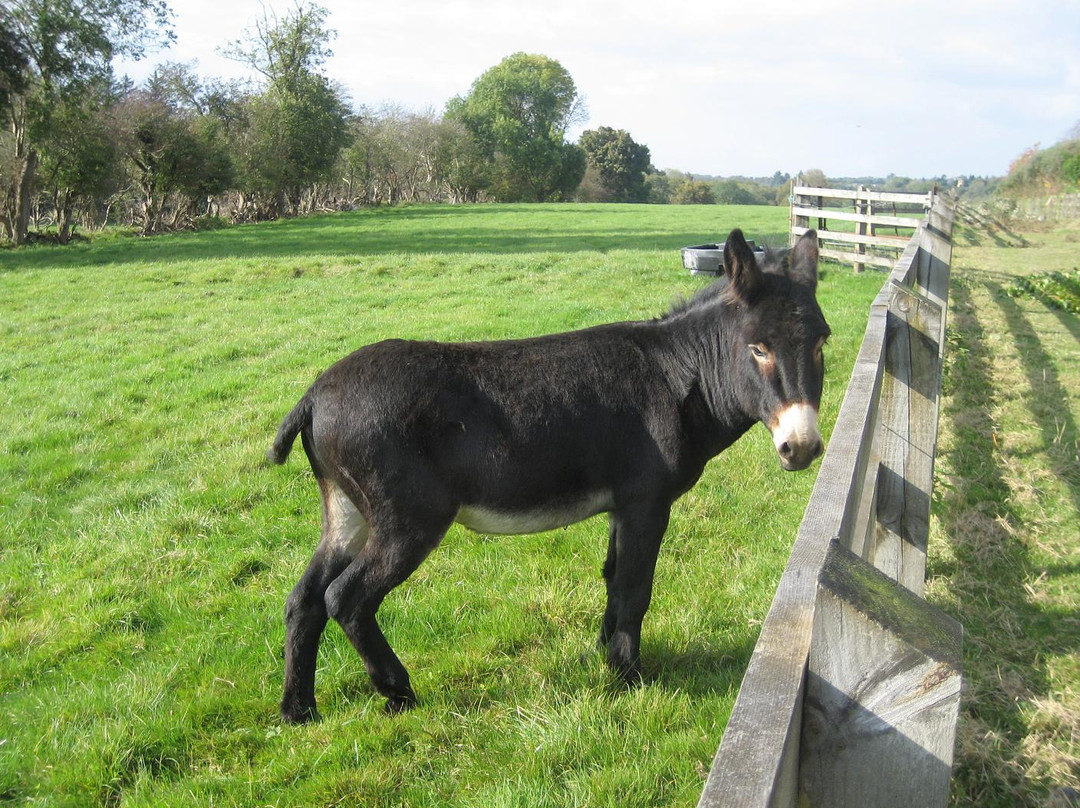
[635, 539]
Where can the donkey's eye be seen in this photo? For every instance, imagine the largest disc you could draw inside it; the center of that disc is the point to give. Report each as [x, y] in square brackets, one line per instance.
[760, 352]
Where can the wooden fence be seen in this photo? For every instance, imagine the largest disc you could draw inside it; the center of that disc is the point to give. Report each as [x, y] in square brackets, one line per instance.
[852, 693]
[864, 218]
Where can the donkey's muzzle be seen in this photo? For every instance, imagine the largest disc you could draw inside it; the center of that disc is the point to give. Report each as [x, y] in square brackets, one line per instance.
[796, 437]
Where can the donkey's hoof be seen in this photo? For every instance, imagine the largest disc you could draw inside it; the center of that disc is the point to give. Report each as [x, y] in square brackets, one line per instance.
[294, 714]
[399, 704]
[629, 672]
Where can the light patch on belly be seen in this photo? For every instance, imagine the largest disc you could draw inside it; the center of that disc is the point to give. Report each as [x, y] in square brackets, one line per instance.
[344, 527]
[533, 520]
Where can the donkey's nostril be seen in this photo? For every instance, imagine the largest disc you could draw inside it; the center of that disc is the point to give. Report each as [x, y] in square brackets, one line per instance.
[819, 447]
[784, 449]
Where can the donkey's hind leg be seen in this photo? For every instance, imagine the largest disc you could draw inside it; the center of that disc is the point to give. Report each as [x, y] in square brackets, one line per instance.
[394, 550]
[344, 532]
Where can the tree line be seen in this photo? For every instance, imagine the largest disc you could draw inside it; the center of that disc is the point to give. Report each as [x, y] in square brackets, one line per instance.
[1042, 171]
[81, 147]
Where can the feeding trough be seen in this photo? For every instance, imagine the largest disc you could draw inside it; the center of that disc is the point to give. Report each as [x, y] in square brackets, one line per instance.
[708, 259]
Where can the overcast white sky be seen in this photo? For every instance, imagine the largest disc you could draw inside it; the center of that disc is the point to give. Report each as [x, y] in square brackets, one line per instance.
[913, 87]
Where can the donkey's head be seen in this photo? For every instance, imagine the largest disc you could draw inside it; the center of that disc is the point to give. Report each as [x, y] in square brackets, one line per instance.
[778, 343]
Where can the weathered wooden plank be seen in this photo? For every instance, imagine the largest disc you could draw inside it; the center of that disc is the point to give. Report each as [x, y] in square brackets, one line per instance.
[892, 242]
[861, 542]
[910, 222]
[907, 437]
[895, 197]
[935, 242]
[850, 257]
[906, 269]
[882, 693]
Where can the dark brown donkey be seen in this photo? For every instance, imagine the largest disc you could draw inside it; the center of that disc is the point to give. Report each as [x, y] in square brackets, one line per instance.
[519, 436]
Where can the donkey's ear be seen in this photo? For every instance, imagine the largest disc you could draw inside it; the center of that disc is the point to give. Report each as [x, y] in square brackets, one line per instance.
[803, 260]
[740, 265]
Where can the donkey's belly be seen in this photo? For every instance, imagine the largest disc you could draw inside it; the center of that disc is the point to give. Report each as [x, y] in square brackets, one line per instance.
[484, 519]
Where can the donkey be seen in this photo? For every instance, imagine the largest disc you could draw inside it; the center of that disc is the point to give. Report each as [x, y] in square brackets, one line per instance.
[519, 436]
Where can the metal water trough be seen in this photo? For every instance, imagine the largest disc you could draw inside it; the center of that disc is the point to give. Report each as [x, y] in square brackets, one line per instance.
[708, 259]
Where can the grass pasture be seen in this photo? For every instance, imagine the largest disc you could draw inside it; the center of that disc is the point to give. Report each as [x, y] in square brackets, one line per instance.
[1005, 543]
[147, 548]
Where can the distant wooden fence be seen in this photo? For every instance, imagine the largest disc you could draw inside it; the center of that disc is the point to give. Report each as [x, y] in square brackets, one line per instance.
[865, 220]
[852, 693]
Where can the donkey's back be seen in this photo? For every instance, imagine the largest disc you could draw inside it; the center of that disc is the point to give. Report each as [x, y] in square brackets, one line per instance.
[514, 436]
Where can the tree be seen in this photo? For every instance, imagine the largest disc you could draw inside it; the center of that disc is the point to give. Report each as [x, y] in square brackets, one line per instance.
[14, 62]
[658, 188]
[80, 158]
[518, 113]
[814, 178]
[286, 51]
[394, 156]
[176, 147]
[297, 127]
[68, 45]
[461, 166]
[729, 192]
[1040, 171]
[780, 179]
[620, 164]
[693, 192]
[1070, 168]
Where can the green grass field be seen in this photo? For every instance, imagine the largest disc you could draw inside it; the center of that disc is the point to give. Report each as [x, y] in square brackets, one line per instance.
[147, 547]
[1005, 547]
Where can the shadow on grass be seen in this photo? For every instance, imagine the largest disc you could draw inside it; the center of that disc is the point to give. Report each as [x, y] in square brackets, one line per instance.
[1007, 636]
[1046, 390]
[976, 223]
[697, 670]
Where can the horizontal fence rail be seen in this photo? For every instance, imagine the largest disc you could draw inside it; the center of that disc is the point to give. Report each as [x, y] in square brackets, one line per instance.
[852, 693]
[864, 218]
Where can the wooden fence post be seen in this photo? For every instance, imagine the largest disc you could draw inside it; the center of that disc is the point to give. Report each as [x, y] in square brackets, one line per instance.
[861, 208]
[882, 693]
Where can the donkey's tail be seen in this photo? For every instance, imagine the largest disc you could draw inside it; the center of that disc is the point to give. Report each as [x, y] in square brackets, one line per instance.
[298, 418]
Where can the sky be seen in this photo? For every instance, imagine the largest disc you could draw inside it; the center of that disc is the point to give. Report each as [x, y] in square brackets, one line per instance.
[915, 88]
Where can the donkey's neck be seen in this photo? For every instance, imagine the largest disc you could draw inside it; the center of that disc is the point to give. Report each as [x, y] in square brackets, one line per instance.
[698, 359]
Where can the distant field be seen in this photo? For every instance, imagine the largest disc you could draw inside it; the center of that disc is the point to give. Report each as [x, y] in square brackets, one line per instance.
[147, 548]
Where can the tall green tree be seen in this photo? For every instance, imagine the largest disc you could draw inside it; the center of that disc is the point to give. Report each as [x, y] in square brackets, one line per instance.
[80, 158]
[620, 164]
[68, 47]
[298, 125]
[14, 61]
[518, 114]
[689, 191]
[176, 148]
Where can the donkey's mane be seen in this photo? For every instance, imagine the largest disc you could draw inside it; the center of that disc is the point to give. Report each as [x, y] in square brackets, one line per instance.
[774, 261]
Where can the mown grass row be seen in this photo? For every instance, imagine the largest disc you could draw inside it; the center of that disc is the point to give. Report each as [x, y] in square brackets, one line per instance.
[147, 548]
